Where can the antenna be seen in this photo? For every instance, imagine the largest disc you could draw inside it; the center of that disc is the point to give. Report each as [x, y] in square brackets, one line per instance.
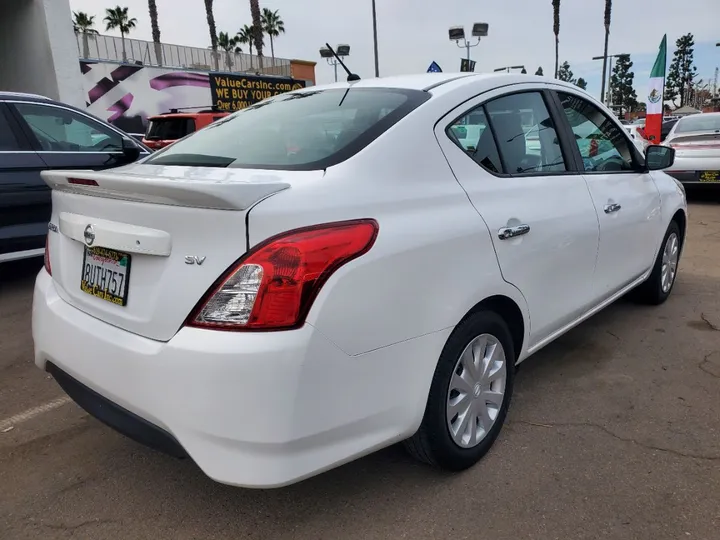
[351, 76]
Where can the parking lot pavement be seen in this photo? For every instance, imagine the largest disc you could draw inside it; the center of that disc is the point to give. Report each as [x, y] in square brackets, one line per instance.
[614, 432]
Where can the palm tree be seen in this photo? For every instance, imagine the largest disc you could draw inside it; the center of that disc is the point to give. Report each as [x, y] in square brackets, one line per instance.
[117, 17]
[213, 31]
[273, 25]
[152, 7]
[556, 30]
[83, 24]
[229, 45]
[257, 30]
[608, 13]
[246, 37]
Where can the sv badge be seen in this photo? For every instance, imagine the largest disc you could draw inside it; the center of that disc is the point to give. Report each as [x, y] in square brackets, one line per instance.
[194, 259]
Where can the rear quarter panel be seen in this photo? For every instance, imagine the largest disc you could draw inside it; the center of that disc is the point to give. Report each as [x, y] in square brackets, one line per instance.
[433, 259]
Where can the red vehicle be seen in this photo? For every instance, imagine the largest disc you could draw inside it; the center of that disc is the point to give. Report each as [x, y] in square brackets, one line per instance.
[165, 129]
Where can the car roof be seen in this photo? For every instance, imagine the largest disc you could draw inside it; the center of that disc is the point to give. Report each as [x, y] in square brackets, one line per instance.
[437, 82]
[23, 95]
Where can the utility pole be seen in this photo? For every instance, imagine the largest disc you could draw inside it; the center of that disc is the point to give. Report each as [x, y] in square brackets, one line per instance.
[375, 40]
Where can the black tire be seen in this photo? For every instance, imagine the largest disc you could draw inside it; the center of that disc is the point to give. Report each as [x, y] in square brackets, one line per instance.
[650, 291]
[433, 443]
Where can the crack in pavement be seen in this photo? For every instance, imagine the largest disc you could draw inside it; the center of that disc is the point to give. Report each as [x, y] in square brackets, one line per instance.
[706, 360]
[66, 527]
[710, 324]
[624, 439]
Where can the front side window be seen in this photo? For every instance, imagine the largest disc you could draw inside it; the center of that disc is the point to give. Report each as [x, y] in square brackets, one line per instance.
[525, 134]
[62, 130]
[602, 144]
[297, 131]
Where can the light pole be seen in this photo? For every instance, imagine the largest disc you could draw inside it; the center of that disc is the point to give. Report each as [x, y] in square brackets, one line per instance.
[508, 68]
[603, 99]
[342, 51]
[457, 34]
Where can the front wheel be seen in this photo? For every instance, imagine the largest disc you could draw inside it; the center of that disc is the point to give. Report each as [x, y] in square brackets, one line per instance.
[659, 285]
[469, 395]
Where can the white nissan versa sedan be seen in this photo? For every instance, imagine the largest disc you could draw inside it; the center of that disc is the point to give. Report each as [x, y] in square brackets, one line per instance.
[340, 268]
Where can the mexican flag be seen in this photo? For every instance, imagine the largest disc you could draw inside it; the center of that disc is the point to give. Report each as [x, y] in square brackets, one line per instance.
[655, 101]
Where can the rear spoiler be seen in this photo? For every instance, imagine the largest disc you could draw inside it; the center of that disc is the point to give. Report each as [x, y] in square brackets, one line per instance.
[220, 189]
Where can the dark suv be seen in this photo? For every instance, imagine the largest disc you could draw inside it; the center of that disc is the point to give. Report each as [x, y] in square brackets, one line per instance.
[37, 133]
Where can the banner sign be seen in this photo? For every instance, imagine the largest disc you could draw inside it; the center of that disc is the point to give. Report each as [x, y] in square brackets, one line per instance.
[232, 92]
[467, 65]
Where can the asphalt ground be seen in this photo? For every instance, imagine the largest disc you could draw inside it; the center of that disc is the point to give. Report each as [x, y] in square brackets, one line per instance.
[614, 432]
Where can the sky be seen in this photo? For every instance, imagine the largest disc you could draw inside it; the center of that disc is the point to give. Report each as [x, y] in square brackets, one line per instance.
[413, 33]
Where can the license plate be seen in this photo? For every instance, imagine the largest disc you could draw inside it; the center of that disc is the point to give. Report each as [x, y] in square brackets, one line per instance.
[105, 274]
[709, 176]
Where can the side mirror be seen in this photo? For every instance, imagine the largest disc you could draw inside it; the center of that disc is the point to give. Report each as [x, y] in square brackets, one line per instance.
[659, 157]
[130, 150]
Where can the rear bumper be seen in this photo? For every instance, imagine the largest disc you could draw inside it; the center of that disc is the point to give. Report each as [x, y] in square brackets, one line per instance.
[685, 169]
[251, 409]
[122, 420]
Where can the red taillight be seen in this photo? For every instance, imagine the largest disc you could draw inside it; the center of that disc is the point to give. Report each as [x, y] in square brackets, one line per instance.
[48, 267]
[274, 285]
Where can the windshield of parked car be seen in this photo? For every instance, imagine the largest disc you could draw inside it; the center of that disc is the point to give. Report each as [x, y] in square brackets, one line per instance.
[699, 122]
[297, 131]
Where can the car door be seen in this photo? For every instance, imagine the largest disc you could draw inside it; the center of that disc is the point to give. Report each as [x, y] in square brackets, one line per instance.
[24, 197]
[625, 196]
[67, 139]
[506, 153]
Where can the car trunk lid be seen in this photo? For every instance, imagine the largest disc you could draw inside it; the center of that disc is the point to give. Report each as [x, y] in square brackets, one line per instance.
[138, 247]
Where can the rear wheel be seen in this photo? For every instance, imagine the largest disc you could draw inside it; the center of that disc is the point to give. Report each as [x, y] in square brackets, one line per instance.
[469, 395]
[659, 285]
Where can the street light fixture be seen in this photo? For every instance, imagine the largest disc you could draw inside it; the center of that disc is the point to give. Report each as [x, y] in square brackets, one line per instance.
[609, 93]
[457, 34]
[342, 50]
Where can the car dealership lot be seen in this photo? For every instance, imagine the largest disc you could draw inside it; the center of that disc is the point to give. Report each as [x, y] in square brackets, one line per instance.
[614, 432]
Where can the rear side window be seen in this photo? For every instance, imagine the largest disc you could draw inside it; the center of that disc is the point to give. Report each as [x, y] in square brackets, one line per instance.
[512, 134]
[472, 133]
[297, 131]
[8, 142]
[163, 129]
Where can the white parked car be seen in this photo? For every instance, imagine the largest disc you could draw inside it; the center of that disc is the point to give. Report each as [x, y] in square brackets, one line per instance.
[696, 140]
[636, 134]
[274, 299]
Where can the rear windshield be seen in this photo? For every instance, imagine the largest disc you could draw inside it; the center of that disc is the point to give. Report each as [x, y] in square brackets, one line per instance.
[699, 122]
[297, 131]
[163, 129]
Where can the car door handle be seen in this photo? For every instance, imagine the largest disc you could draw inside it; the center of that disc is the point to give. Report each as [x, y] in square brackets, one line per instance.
[512, 232]
[610, 208]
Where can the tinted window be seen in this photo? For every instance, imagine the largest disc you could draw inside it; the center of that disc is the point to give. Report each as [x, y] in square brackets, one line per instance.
[699, 122]
[602, 144]
[172, 128]
[62, 130]
[300, 131]
[525, 134]
[7, 137]
[472, 133]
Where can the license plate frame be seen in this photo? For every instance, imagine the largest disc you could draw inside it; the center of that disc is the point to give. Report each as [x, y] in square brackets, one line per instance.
[115, 294]
[709, 177]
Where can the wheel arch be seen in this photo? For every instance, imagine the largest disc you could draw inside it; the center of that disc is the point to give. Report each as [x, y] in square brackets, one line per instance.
[511, 313]
[680, 218]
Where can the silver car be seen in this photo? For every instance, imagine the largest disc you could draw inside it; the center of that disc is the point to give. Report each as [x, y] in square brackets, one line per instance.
[696, 140]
